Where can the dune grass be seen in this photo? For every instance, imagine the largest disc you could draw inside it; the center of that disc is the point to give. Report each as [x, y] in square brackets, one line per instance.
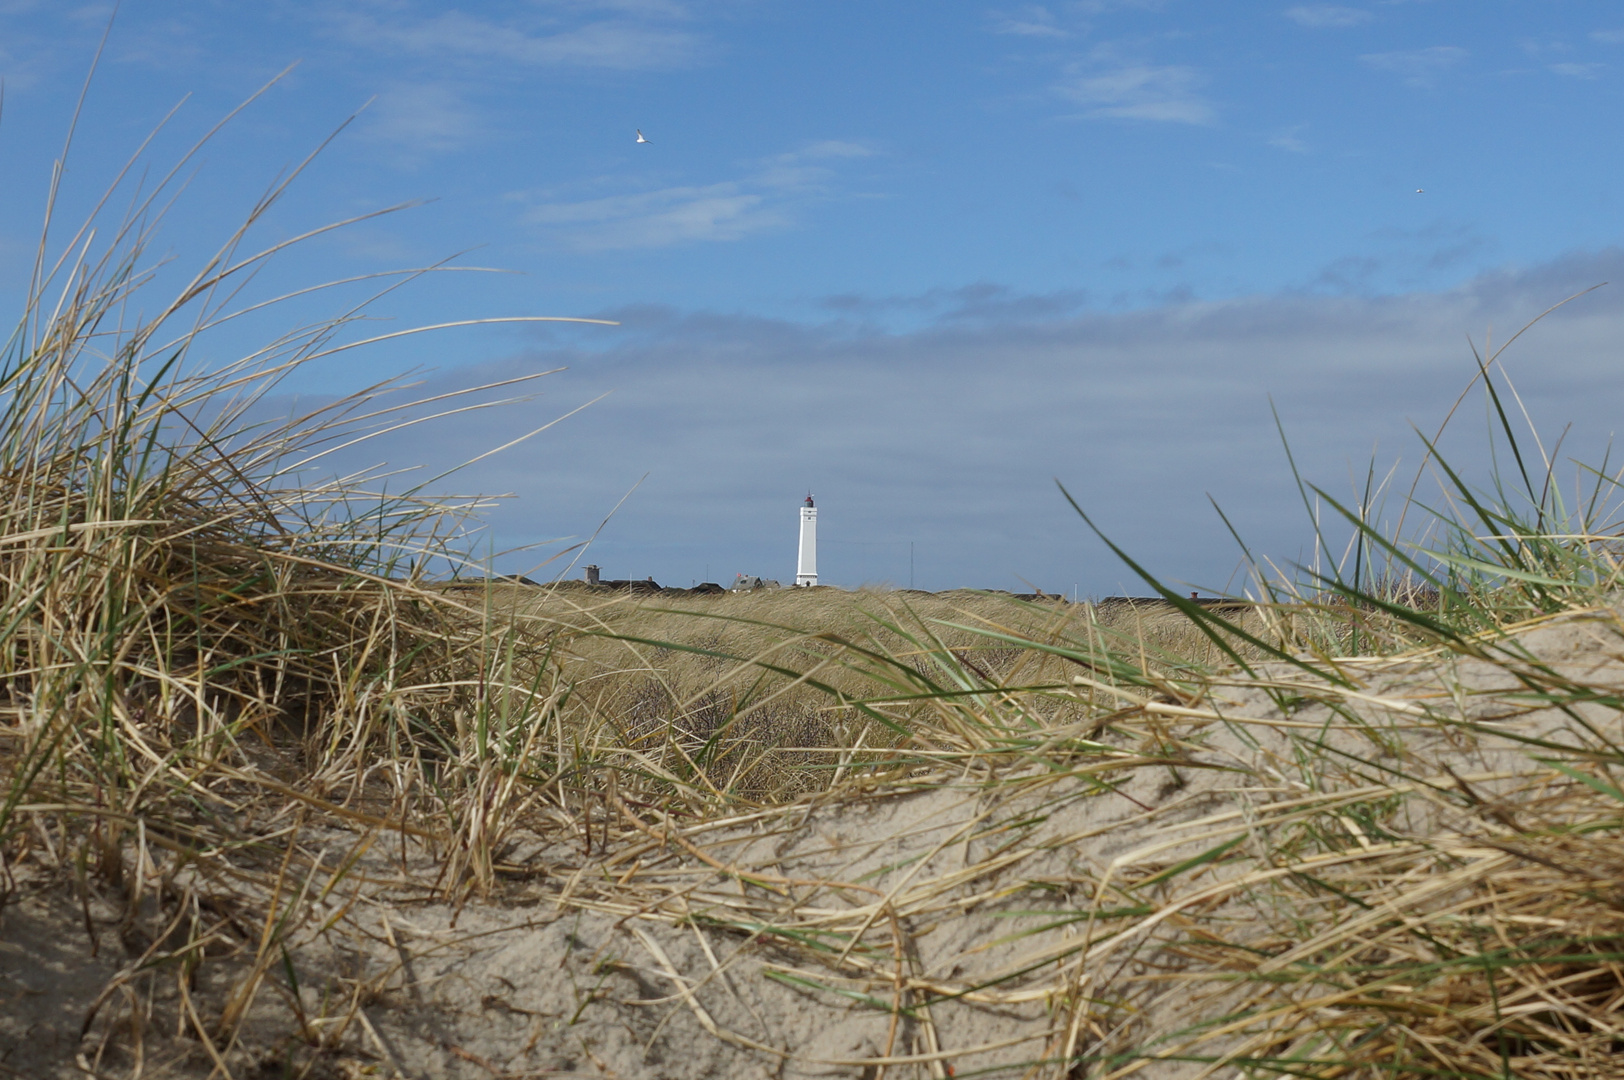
[211, 661]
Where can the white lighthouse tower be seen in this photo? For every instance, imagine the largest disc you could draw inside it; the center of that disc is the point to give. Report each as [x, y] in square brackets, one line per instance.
[806, 567]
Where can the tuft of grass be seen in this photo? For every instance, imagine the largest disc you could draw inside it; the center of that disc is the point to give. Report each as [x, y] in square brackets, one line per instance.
[205, 646]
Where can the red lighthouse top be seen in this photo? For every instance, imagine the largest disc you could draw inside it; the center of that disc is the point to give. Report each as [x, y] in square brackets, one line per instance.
[809, 500]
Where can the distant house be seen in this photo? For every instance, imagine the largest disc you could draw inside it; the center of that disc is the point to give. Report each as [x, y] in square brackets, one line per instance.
[749, 583]
[594, 576]
[481, 582]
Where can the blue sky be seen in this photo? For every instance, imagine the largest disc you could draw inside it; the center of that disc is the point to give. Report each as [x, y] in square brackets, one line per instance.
[922, 258]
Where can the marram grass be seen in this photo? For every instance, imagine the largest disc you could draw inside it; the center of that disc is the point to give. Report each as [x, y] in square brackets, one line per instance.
[1374, 813]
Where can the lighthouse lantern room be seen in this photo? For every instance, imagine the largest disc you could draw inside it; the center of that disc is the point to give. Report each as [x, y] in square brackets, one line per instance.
[806, 568]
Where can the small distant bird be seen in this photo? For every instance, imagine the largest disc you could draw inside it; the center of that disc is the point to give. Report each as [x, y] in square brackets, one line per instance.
[640, 136]
[1420, 191]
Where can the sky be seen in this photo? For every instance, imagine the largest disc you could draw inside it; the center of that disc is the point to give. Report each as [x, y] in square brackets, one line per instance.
[925, 260]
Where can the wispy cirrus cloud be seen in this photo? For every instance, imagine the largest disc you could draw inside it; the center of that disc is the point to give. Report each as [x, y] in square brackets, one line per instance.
[981, 302]
[1029, 20]
[1574, 70]
[767, 198]
[1125, 91]
[664, 9]
[1420, 68]
[423, 118]
[627, 36]
[1555, 52]
[660, 218]
[1288, 140]
[1608, 37]
[1327, 16]
[1108, 80]
[1102, 7]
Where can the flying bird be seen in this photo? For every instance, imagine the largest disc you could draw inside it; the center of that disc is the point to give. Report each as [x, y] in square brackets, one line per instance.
[640, 136]
[1420, 191]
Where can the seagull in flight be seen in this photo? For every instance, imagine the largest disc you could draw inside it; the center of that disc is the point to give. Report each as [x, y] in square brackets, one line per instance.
[640, 136]
[1420, 191]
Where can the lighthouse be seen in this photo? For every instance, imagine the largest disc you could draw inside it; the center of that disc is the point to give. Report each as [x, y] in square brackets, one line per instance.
[806, 567]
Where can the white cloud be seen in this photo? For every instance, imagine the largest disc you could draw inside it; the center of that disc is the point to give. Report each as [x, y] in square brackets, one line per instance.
[92, 14]
[807, 169]
[1101, 7]
[423, 118]
[1327, 16]
[1288, 140]
[830, 148]
[1577, 71]
[166, 45]
[1608, 37]
[1545, 46]
[1418, 67]
[1031, 20]
[623, 43]
[1166, 94]
[662, 9]
[767, 199]
[673, 215]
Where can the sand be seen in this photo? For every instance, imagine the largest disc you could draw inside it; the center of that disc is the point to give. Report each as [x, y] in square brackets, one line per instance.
[779, 945]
